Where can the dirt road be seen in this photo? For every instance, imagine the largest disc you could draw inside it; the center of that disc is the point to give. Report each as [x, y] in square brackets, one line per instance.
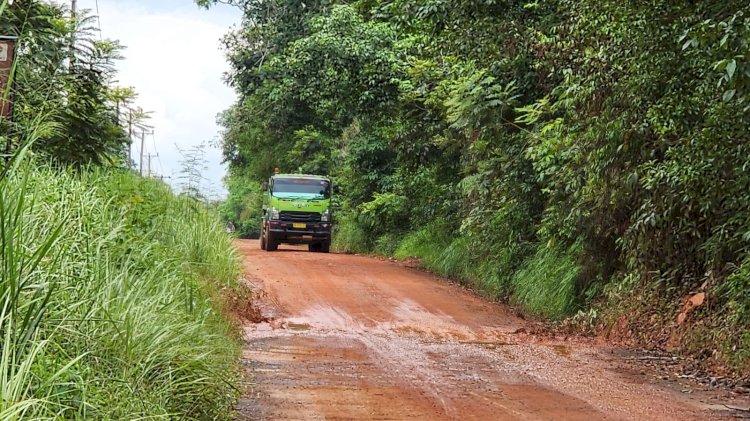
[350, 337]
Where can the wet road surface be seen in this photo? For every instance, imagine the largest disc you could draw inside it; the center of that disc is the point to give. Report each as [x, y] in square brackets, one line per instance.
[352, 337]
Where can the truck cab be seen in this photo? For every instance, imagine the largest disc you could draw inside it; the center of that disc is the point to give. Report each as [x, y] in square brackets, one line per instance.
[297, 210]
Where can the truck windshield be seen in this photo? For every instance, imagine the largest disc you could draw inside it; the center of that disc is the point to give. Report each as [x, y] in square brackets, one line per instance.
[301, 188]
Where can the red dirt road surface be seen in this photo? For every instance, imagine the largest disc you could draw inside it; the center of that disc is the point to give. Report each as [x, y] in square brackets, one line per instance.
[351, 337]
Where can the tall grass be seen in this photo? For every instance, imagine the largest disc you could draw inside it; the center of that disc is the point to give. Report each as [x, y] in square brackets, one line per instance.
[546, 285]
[437, 250]
[454, 257]
[108, 289]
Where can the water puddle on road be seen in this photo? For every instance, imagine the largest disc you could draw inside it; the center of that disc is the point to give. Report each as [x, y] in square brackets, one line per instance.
[298, 327]
[561, 350]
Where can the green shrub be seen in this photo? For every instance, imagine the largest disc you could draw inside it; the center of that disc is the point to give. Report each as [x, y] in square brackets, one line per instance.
[734, 297]
[735, 292]
[349, 237]
[387, 244]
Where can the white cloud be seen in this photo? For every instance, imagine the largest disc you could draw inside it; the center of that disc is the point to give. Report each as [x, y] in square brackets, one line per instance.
[175, 62]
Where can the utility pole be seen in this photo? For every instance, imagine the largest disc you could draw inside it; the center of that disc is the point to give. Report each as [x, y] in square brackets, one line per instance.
[143, 141]
[130, 139]
[74, 20]
[143, 146]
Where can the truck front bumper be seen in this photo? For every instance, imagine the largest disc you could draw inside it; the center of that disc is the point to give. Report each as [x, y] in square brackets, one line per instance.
[294, 233]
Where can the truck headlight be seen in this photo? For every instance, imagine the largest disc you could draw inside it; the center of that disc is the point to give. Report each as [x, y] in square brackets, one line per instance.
[275, 214]
[326, 216]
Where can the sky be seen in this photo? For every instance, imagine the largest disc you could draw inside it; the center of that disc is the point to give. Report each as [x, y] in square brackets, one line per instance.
[175, 62]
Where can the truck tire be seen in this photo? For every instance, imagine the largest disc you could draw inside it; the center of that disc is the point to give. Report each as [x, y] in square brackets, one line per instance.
[323, 247]
[271, 244]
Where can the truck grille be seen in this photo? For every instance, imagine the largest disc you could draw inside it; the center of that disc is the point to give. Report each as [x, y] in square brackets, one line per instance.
[300, 216]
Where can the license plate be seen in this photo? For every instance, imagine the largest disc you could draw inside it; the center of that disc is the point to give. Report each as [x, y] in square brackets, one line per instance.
[302, 226]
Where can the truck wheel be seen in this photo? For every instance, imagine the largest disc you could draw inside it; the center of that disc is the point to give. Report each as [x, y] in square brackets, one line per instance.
[325, 247]
[271, 244]
[313, 247]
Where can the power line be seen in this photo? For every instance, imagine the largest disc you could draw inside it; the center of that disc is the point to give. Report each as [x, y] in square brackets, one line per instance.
[161, 167]
[138, 150]
[158, 158]
[156, 152]
[149, 163]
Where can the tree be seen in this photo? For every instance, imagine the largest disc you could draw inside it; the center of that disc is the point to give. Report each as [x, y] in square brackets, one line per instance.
[74, 94]
[192, 166]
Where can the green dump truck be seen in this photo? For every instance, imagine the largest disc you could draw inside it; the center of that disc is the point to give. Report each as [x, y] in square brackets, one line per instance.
[297, 210]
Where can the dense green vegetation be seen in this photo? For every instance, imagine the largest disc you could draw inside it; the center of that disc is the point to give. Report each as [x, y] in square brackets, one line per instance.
[564, 154]
[111, 287]
[243, 207]
[64, 83]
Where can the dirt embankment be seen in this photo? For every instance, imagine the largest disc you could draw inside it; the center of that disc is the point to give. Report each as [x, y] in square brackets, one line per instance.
[349, 337]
